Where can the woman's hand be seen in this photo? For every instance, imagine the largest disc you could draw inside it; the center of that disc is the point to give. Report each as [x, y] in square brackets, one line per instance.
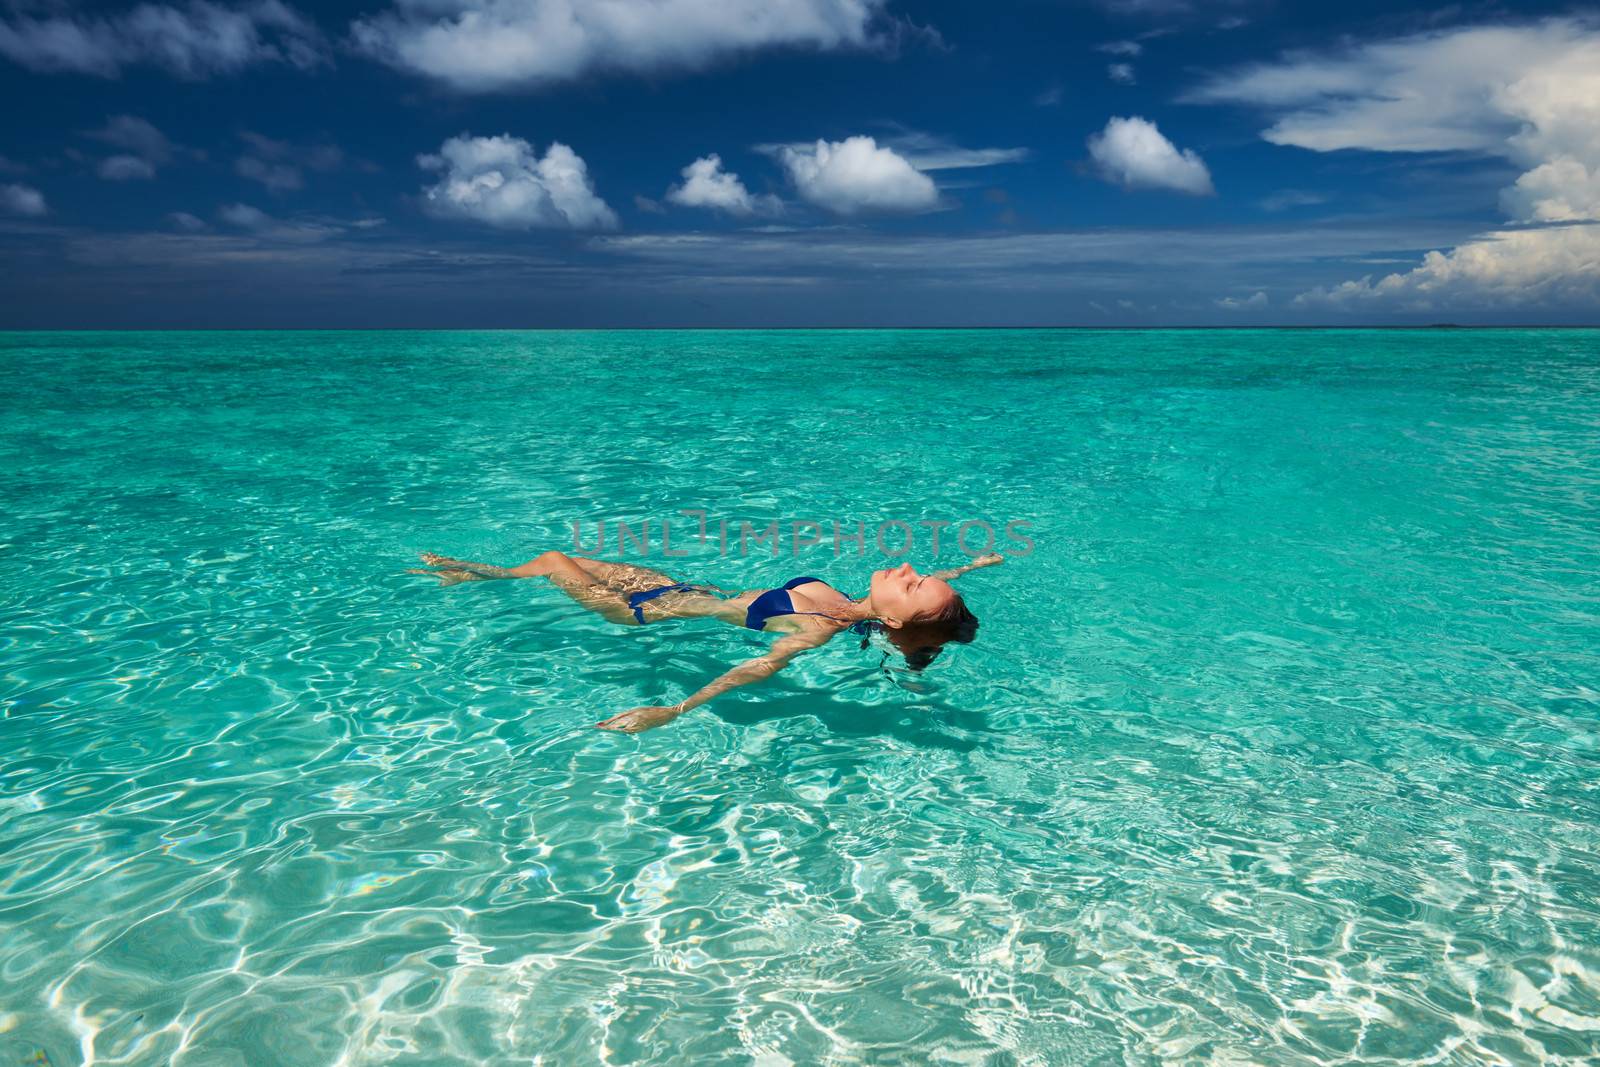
[637, 719]
[988, 560]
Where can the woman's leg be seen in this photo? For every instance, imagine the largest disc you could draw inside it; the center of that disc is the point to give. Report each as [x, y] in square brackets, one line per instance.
[597, 584]
[482, 570]
[573, 580]
[623, 577]
[629, 578]
[448, 576]
[562, 570]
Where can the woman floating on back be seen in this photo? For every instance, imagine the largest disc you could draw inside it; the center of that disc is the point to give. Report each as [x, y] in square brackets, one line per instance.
[920, 613]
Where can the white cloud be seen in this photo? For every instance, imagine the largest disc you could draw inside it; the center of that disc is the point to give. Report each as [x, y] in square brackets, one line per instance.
[279, 165]
[503, 181]
[22, 200]
[1120, 48]
[706, 184]
[857, 175]
[277, 177]
[322, 157]
[1285, 199]
[299, 231]
[1197, 257]
[145, 148]
[1562, 190]
[194, 41]
[126, 168]
[1255, 302]
[1121, 73]
[1507, 267]
[1528, 93]
[182, 220]
[244, 216]
[484, 45]
[1133, 153]
[926, 152]
[137, 136]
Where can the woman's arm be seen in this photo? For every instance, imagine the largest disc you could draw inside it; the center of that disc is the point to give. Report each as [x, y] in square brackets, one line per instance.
[982, 561]
[754, 670]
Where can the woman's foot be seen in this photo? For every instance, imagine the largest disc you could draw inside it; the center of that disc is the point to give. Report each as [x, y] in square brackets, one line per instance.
[447, 576]
[482, 570]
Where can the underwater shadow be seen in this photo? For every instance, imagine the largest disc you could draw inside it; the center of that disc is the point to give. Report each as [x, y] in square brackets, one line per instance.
[923, 723]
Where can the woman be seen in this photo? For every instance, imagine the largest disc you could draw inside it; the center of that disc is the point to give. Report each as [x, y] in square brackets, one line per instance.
[919, 612]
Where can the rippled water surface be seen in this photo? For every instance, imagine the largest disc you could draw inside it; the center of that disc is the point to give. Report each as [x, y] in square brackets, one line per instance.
[1283, 746]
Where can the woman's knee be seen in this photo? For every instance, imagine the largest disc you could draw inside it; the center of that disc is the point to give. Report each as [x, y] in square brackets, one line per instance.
[543, 563]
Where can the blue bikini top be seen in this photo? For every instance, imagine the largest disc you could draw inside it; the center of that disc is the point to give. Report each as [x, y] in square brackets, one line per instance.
[775, 602]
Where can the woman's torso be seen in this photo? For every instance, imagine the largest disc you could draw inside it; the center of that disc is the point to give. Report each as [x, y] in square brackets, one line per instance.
[809, 603]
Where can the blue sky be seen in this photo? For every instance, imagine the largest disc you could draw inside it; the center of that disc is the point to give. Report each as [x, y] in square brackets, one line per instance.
[503, 163]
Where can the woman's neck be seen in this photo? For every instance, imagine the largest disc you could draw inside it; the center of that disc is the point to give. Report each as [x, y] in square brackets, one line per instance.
[858, 610]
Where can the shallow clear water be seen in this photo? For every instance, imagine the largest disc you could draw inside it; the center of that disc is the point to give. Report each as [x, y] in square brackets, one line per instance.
[1282, 746]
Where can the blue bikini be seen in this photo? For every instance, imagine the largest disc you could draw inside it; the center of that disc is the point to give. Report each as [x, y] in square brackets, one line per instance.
[775, 602]
[768, 605]
[637, 601]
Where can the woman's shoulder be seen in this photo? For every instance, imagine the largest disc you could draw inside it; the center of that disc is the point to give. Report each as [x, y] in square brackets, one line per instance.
[813, 589]
[809, 622]
[821, 600]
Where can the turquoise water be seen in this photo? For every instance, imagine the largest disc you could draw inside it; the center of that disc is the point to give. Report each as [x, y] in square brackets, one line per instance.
[1282, 746]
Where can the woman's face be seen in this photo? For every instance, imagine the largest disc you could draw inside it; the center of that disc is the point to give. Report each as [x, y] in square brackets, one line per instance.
[901, 595]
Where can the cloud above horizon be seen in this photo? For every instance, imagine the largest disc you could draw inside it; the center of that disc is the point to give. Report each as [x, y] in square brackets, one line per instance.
[926, 152]
[1132, 152]
[706, 185]
[503, 182]
[1506, 268]
[1527, 93]
[183, 220]
[1462, 146]
[125, 168]
[280, 165]
[300, 230]
[145, 149]
[857, 176]
[23, 200]
[1195, 254]
[193, 41]
[488, 45]
[136, 136]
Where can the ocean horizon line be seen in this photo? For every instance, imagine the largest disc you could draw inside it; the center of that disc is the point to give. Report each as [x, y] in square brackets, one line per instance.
[1320, 327]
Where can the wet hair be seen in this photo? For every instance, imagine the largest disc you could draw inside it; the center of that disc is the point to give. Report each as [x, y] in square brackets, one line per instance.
[922, 641]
